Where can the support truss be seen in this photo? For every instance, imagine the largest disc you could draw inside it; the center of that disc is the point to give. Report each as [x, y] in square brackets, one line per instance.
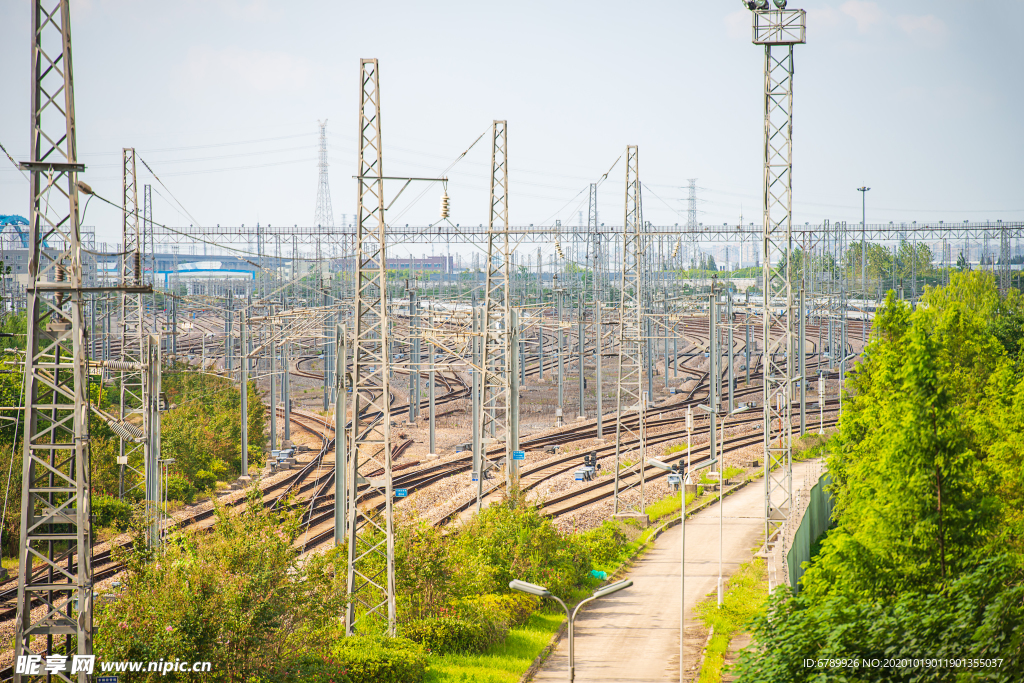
[778, 31]
[132, 459]
[629, 421]
[55, 526]
[496, 353]
[371, 539]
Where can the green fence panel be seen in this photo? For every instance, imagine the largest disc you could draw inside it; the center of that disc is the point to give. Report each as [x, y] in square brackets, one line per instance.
[816, 520]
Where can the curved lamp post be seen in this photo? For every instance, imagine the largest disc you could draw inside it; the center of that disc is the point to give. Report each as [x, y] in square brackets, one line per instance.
[542, 592]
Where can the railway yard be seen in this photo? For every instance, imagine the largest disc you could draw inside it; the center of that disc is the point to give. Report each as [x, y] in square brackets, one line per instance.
[637, 440]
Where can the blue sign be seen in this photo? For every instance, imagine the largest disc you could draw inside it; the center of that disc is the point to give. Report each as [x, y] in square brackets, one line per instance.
[519, 455]
[401, 493]
[107, 679]
[476, 479]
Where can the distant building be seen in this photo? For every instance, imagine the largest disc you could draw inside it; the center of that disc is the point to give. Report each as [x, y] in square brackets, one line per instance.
[429, 264]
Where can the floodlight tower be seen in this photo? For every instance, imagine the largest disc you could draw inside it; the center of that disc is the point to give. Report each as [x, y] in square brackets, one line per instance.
[55, 489]
[629, 436]
[371, 586]
[779, 30]
[497, 423]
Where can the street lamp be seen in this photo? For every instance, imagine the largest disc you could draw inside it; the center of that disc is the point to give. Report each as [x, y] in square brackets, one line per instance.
[542, 592]
[721, 490]
[682, 552]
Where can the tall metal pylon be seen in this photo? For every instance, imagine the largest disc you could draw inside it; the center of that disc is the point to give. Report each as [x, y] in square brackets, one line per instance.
[132, 452]
[497, 423]
[778, 30]
[324, 215]
[1004, 261]
[55, 505]
[371, 537]
[630, 439]
[598, 289]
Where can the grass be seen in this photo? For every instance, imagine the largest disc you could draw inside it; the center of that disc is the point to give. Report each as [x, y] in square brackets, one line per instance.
[10, 562]
[812, 445]
[503, 663]
[745, 595]
[666, 506]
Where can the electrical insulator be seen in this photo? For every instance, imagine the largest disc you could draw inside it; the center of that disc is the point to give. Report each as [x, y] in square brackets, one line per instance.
[137, 266]
[558, 249]
[444, 205]
[59, 272]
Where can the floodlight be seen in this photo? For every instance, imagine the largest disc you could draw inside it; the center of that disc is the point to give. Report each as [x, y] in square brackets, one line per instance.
[781, 4]
[660, 465]
[531, 588]
[614, 588]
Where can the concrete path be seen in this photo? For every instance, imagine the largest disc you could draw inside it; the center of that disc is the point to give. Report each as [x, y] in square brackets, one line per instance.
[633, 636]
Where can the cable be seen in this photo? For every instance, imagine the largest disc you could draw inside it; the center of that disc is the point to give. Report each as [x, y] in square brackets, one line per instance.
[169, 191]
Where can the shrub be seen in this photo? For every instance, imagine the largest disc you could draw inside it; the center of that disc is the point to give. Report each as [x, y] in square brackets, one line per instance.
[447, 634]
[108, 511]
[606, 544]
[510, 541]
[511, 610]
[377, 659]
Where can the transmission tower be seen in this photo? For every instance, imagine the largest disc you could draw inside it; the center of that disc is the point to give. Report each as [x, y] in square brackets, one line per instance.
[778, 30]
[55, 588]
[629, 434]
[324, 216]
[371, 541]
[497, 423]
[132, 450]
[691, 213]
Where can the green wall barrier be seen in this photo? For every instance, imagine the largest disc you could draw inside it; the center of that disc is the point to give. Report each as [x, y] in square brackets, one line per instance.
[816, 521]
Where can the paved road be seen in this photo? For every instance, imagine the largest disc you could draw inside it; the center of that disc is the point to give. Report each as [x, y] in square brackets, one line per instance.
[633, 636]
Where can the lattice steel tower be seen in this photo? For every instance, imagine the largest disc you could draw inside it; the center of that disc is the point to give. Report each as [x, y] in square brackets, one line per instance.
[324, 215]
[371, 541]
[55, 480]
[132, 448]
[629, 433]
[778, 30]
[497, 425]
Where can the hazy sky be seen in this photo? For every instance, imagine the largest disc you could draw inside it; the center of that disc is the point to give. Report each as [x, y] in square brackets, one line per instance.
[922, 101]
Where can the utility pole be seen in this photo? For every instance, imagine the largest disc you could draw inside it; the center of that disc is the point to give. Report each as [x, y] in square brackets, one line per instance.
[370, 586]
[243, 340]
[863, 237]
[630, 437]
[778, 30]
[340, 424]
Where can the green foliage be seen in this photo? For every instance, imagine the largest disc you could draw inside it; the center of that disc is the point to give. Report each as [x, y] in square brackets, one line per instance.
[512, 609]
[236, 596]
[374, 659]
[203, 432]
[108, 511]
[450, 634]
[979, 615]
[926, 558]
[502, 663]
[509, 541]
